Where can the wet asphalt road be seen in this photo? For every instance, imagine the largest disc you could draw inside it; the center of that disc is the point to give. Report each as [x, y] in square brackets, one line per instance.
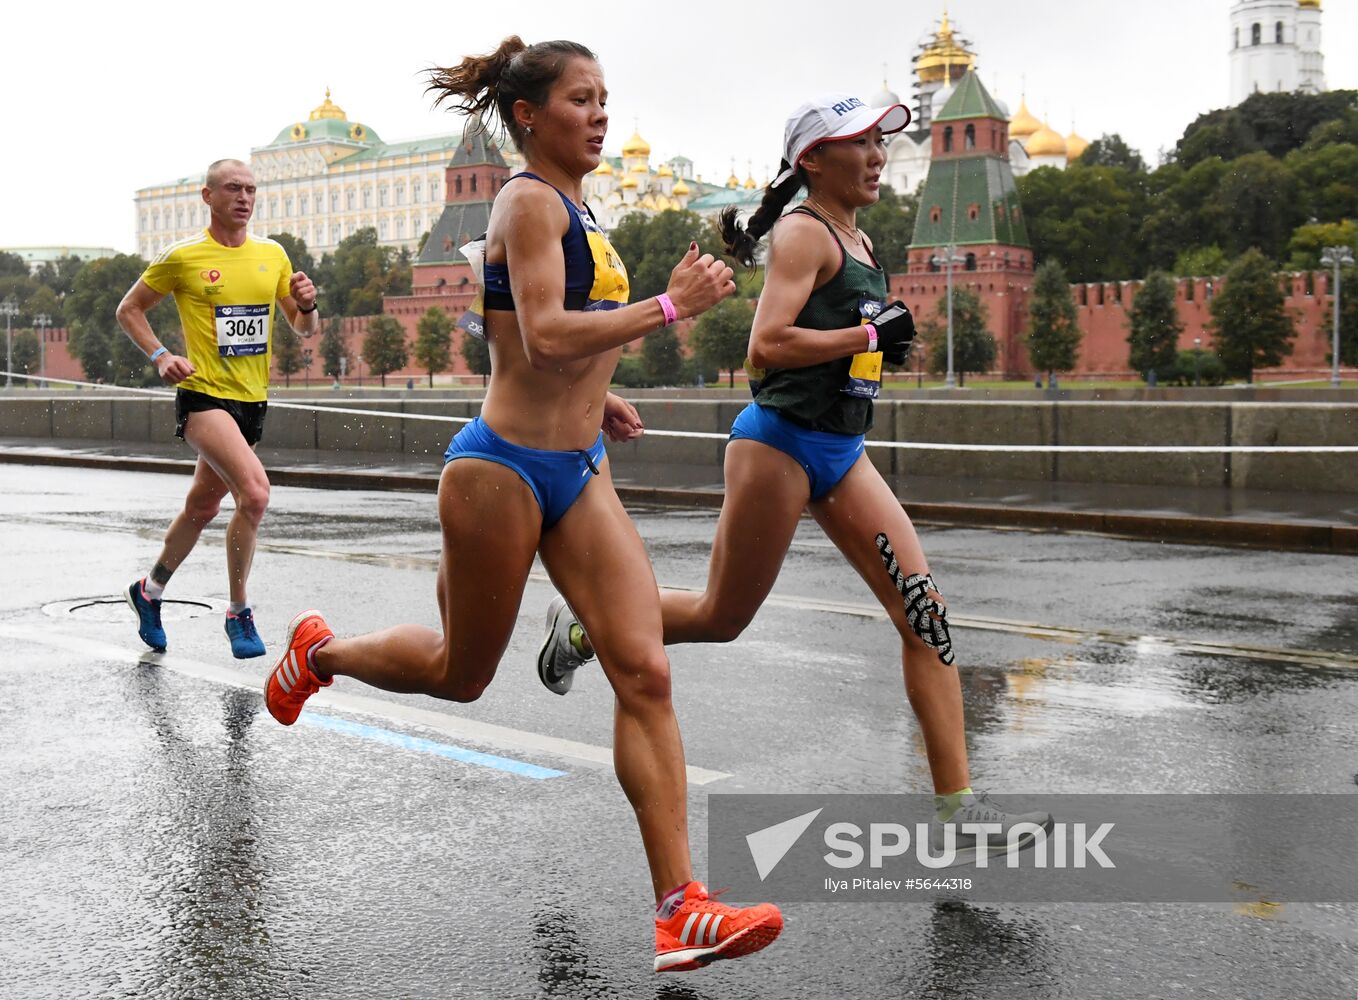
[161, 836]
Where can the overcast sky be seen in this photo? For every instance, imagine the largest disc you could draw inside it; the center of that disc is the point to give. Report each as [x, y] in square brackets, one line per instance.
[100, 100]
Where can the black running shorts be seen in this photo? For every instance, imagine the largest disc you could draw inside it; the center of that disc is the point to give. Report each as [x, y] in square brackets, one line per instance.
[249, 417]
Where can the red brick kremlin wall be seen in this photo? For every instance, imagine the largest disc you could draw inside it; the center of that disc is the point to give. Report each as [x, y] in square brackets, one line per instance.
[1102, 308]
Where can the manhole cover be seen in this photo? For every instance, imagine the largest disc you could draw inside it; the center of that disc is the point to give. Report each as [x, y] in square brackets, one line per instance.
[115, 609]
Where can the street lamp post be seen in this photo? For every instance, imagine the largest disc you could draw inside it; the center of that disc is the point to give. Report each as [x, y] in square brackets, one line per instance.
[9, 309]
[41, 322]
[1336, 257]
[306, 362]
[950, 261]
[1197, 362]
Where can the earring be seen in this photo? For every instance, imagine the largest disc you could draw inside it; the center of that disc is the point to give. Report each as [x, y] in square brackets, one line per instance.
[528, 129]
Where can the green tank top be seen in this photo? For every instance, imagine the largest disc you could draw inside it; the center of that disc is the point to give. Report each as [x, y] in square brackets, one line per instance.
[825, 397]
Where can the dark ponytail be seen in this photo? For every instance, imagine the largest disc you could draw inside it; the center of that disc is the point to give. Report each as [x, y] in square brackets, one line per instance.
[741, 242]
[513, 72]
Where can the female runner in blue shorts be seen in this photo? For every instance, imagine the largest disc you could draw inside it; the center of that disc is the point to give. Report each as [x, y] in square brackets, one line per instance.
[530, 476]
[820, 332]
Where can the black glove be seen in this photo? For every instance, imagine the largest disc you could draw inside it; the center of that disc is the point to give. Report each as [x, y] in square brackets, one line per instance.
[896, 356]
[895, 331]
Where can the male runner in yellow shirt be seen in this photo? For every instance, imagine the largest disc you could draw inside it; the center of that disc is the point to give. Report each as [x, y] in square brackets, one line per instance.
[227, 286]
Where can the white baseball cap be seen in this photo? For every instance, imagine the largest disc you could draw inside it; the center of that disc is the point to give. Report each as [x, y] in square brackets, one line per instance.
[831, 117]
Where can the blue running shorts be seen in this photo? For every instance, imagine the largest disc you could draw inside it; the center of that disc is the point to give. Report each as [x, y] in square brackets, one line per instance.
[826, 457]
[556, 478]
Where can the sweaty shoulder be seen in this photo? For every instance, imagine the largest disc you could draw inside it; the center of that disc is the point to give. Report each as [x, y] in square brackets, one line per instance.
[799, 239]
[527, 201]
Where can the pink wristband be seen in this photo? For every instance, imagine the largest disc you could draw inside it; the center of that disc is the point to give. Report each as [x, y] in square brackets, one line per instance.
[667, 307]
[872, 338]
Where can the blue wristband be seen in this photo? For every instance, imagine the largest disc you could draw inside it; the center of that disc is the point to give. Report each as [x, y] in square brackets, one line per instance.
[159, 351]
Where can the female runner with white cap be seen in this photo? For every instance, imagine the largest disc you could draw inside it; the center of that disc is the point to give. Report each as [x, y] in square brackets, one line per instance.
[821, 330]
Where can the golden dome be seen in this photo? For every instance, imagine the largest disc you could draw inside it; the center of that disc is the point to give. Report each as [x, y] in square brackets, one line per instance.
[629, 182]
[1076, 144]
[1046, 141]
[935, 63]
[649, 202]
[604, 167]
[1023, 124]
[1315, 4]
[641, 168]
[328, 109]
[680, 188]
[636, 146]
[664, 171]
[750, 183]
[733, 181]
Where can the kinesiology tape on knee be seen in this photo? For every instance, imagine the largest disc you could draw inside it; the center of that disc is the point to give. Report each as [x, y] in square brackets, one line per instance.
[928, 618]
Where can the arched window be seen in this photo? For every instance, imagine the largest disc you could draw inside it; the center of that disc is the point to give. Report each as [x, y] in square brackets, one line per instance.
[947, 139]
[1278, 32]
[473, 183]
[457, 184]
[1256, 34]
[935, 215]
[969, 141]
[971, 262]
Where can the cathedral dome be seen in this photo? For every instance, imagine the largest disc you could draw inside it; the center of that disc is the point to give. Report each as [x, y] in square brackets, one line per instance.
[629, 182]
[664, 171]
[636, 146]
[1023, 124]
[1046, 141]
[1076, 144]
[680, 188]
[604, 167]
[885, 97]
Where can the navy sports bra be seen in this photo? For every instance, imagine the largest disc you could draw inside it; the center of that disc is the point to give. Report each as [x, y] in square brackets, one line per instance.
[595, 275]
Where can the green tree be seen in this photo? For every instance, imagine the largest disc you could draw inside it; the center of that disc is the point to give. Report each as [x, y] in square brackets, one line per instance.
[359, 273]
[1272, 123]
[424, 238]
[1338, 130]
[650, 246]
[1327, 181]
[890, 224]
[1250, 325]
[12, 265]
[1257, 204]
[105, 352]
[1308, 242]
[476, 353]
[27, 352]
[1155, 326]
[1201, 262]
[1087, 217]
[434, 341]
[1053, 327]
[287, 349]
[59, 275]
[384, 348]
[721, 337]
[973, 345]
[1112, 151]
[662, 359]
[334, 350]
[298, 254]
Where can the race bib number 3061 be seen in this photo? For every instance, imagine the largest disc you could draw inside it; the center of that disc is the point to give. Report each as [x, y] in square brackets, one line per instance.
[241, 330]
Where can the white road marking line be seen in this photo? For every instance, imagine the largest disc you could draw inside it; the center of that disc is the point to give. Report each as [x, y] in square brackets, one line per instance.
[469, 730]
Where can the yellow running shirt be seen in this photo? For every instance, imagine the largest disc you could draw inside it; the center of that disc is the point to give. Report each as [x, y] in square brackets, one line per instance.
[228, 302]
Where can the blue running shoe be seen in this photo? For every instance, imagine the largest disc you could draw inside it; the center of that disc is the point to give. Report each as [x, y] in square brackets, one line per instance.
[245, 640]
[147, 611]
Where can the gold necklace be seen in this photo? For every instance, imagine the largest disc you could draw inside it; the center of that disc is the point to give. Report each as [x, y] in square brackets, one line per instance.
[851, 232]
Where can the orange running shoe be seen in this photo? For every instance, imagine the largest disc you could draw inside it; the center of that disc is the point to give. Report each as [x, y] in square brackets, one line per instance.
[703, 930]
[291, 683]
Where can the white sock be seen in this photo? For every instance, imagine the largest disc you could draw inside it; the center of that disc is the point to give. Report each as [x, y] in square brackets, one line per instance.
[152, 589]
[236, 607]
